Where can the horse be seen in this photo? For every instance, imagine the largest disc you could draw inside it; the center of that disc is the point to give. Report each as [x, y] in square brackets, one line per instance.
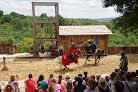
[92, 50]
[64, 60]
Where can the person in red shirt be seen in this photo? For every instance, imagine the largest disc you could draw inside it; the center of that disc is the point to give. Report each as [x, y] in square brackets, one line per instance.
[70, 53]
[30, 84]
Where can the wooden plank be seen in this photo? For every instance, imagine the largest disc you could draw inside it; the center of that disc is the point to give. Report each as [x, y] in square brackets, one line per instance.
[34, 29]
[47, 39]
[51, 28]
[45, 21]
[46, 30]
[40, 30]
[44, 3]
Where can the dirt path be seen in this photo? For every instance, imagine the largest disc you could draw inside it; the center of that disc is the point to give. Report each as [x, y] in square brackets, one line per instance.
[23, 67]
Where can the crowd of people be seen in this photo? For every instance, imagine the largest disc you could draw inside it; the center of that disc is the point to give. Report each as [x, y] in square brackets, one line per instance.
[116, 82]
[120, 80]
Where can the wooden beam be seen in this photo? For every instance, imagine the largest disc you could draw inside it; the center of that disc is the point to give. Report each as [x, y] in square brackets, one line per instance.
[44, 3]
[34, 29]
[47, 39]
[45, 30]
[46, 21]
[51, 28]
[40, 30]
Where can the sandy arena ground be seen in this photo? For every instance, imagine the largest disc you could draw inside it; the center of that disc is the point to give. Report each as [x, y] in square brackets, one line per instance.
[22, 67]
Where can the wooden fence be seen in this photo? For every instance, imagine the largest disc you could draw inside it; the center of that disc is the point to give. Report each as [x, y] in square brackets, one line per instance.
[5, 47]
[128, 50]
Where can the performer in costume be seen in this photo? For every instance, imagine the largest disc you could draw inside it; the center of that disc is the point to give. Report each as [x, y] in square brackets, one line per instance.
[70, 53]
[42, 49]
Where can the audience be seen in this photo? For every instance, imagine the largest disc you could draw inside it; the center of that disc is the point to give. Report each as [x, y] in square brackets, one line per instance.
[43, 86]
[91, 84]
[50, 78]
[102, 86]
[54, 87]
[107, 81]
[30, 84]
[41, 78]
[69, 82]
[119, 86]
[62, 83]
[86, 78]
[97, 78]
[80, 87]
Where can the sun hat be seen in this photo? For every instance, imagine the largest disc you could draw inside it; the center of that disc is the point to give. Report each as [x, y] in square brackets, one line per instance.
[67, 75]
[43, 85]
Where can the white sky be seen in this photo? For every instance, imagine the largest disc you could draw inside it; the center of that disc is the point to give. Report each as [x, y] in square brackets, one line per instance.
[67, 8]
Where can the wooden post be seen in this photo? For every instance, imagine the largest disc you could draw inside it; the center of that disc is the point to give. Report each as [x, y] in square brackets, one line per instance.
[51, 28]
[34, 30]
[46, 31]
[107, 45]
[40, 30]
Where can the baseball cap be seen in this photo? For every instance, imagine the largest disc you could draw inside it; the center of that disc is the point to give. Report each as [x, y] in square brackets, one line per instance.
[106, 77]
[92, 76]
[43, 85]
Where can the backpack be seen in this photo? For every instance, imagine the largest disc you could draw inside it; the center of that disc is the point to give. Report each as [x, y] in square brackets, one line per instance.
[9, 87]
[69, 86]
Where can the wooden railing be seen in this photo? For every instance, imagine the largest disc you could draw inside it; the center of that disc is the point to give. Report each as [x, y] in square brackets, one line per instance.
[128, 50]
[5, 46]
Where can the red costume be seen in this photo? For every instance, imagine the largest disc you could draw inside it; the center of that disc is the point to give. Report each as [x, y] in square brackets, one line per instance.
[66, 60]
[76, 53]
[70, 51]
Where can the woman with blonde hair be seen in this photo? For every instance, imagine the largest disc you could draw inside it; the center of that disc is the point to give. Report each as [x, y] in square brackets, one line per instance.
[54, 87]
[13, 84]
[102, 86]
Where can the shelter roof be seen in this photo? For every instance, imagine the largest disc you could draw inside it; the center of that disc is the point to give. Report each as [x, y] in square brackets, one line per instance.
[84, 30]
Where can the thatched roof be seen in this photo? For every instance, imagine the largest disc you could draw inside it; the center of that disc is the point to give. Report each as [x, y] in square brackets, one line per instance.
[84, 30]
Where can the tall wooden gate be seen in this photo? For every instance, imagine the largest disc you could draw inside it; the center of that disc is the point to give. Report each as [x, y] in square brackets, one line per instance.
[56, 21]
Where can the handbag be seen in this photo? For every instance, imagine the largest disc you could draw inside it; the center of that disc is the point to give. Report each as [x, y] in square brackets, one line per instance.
[35, 87]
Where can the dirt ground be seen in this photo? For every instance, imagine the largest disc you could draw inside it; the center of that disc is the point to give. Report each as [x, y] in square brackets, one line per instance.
[22, 67]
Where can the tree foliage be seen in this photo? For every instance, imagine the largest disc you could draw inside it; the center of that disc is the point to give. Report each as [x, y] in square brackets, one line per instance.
[15, 27]
[128, 21]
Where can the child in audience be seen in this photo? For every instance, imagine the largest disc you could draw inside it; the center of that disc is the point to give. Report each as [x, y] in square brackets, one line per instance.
[43, 86]
[54, 87]
[50, 78]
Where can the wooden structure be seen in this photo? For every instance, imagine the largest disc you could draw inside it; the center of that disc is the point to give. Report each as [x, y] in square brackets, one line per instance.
[6, 46]
[80, 34]
[128, 50]
[45, 22]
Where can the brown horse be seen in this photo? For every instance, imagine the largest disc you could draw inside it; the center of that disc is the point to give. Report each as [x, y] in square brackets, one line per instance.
[92, 50]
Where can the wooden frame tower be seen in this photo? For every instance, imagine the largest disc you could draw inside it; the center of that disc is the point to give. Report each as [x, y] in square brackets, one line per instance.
[51, 22]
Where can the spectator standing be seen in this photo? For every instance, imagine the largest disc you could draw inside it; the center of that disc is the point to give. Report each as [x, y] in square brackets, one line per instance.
[107, 80]
[102, 86]
[91, 84]
[30, 84]
[119, 86]
[124, 62]
[86, 78]
[79, 87]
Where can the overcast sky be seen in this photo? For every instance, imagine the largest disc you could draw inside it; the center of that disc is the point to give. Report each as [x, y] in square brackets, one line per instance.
[67, 8]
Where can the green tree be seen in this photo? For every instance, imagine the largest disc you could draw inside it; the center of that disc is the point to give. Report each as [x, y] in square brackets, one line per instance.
[44, 15]
[1, 13]
[128, 21]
